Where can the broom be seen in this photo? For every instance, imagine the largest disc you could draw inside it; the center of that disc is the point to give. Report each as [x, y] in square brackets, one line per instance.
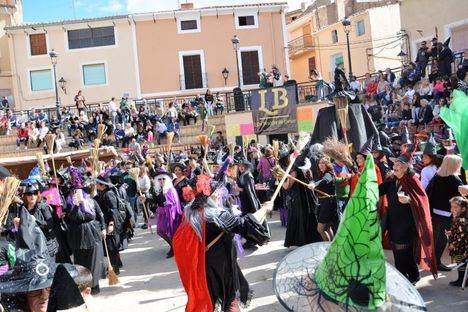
[341, 108]
[134, 173]
[50, 139]
[111, 276]
[276, 149]
[170, 139]
[231, 149]
[278, 173]
[204, 141]
[40, 162]
[101, 129]
[10, 189]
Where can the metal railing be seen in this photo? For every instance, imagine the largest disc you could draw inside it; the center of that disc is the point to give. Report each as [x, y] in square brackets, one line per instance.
[302, 43]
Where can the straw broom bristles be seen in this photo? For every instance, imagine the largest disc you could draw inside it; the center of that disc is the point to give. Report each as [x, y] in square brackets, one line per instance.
[134, 173]
[50, 139]
[341, 107]
[101, 128]
[276, 148]
[204, 141]
[40, 162]
[111, 276]
[11, 186]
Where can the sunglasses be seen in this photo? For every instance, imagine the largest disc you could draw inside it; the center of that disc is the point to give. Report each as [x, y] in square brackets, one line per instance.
[162, 179]
[32, 193]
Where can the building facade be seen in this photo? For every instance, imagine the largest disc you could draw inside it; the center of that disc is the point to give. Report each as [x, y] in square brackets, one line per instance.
[96, 56]
[317, 39]
[423, 20]
[184, 52]
[10, 14]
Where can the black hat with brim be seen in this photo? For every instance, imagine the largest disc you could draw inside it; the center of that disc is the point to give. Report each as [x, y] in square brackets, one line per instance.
[245, 162]
[31, 188]
[64, 293]
[178, 165]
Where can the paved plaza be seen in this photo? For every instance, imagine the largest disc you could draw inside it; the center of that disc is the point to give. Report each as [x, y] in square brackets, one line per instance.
[150, 282]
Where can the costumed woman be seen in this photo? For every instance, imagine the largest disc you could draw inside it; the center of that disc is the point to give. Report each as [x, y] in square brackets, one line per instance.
[109, 202]
[360, 161]
[301, 203]
[180, 181]
[408, 221]
[249, 202]
[42, 213]
[205, 253]
[327, 215]
[169, 210]
[86, 229]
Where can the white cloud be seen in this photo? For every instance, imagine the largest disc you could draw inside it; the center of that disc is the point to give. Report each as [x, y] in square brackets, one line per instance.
[113, 6]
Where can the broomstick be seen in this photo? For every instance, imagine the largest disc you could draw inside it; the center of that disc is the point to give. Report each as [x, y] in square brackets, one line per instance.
[341, 108]
[101, 128]
[170, 139]
[278, 172]
[40, 162]
[50, 139]
[10, 189]
[111, 276]
[134, 173]
[276, 149]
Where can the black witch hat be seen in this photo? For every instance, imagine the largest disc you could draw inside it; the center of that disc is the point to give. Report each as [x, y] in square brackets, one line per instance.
[405, 136]
[34, 269]
[430, 147]
[366, 149]
[64, 293]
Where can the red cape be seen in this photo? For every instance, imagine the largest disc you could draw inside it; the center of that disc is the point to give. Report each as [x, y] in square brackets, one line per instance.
[422, 219]
[189, 253]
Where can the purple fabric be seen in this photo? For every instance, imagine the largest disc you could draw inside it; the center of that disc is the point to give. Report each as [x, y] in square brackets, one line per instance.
[284, 216]
[87, 206]
[4, 269]
[265, 165]
[169, 216]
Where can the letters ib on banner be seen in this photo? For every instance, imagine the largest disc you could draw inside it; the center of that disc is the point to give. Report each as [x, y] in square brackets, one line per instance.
[274, 110]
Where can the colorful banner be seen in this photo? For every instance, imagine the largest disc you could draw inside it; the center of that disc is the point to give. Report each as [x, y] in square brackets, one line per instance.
[305, 121]
[239, 124]
[274, 110]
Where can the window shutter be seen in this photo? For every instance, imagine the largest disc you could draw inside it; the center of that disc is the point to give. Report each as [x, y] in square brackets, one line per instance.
[250, 67]
[38, 44]
[193, 72]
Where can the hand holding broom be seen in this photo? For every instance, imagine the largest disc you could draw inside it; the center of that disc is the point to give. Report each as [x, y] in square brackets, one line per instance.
[134, 173]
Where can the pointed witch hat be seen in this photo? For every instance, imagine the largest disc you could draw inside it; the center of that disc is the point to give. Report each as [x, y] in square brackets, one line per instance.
[366, 149]
[349, 274]
[405, 136]
[430, 148]
[64, 293]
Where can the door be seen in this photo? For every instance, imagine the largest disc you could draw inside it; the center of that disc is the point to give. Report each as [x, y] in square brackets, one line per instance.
[192, 72]
[250, 67]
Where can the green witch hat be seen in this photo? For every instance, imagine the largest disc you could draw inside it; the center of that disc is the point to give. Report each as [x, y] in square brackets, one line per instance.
[356, 258]
[350, 273]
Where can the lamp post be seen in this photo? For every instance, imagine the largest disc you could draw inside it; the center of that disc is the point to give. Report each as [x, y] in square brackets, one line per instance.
[235, 44]
[402, 56]
[225, 73]
[347, 29]
[63, 83]
[53, 58]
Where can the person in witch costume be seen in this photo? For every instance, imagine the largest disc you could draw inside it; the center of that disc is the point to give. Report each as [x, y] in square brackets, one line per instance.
[26, 286]
[408, 220]
[64, 293]
[405, 141]
[301, 204]
[205, 253]
[108, 201]
[169, 210]
[430, 161]
[180, 181]
[349, 274]
[360, 161]
[86, 228]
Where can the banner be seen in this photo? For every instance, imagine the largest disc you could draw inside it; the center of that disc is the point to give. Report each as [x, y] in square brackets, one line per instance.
[274, 110]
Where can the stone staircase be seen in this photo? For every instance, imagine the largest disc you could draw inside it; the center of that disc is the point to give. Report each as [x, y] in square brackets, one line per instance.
[188, 136]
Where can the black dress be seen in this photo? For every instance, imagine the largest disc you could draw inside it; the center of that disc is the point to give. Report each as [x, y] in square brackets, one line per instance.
[302, 223]
[224, 276]
[84, 238]
[327, 212]
[179, 186]
[248, 197]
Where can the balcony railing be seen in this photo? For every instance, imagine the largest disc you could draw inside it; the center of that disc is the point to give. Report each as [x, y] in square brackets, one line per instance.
[300, 44]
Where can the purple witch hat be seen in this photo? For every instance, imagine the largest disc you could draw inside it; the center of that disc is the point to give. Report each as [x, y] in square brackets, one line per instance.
[76, 178]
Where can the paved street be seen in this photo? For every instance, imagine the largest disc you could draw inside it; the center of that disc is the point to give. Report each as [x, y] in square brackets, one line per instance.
[150, 282]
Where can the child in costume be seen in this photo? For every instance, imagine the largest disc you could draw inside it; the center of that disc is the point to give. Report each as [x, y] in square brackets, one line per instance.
[458, 235]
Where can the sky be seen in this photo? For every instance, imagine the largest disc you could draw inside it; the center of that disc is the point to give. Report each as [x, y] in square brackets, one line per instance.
[33, 10]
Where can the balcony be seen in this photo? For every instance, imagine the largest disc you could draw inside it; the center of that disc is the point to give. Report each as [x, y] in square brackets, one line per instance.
[300, 45]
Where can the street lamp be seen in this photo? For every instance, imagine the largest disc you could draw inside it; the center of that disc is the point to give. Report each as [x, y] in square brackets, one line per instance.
[63, 83]
[402, 56]
[235, 44]
[347, 29]
[225, 73]
[53, 58]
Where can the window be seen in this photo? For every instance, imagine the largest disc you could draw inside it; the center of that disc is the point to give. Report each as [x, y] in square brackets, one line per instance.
[188, 25]
[91, 37]
[250, 67]
[312, 65]
[41, 80]
[94, 74]
[246, 20]
[360, 28]
[38, 44]
[192, 72]
[334, 34]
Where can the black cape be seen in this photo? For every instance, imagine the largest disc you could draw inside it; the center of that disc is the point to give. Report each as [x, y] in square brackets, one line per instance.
[361, 126]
